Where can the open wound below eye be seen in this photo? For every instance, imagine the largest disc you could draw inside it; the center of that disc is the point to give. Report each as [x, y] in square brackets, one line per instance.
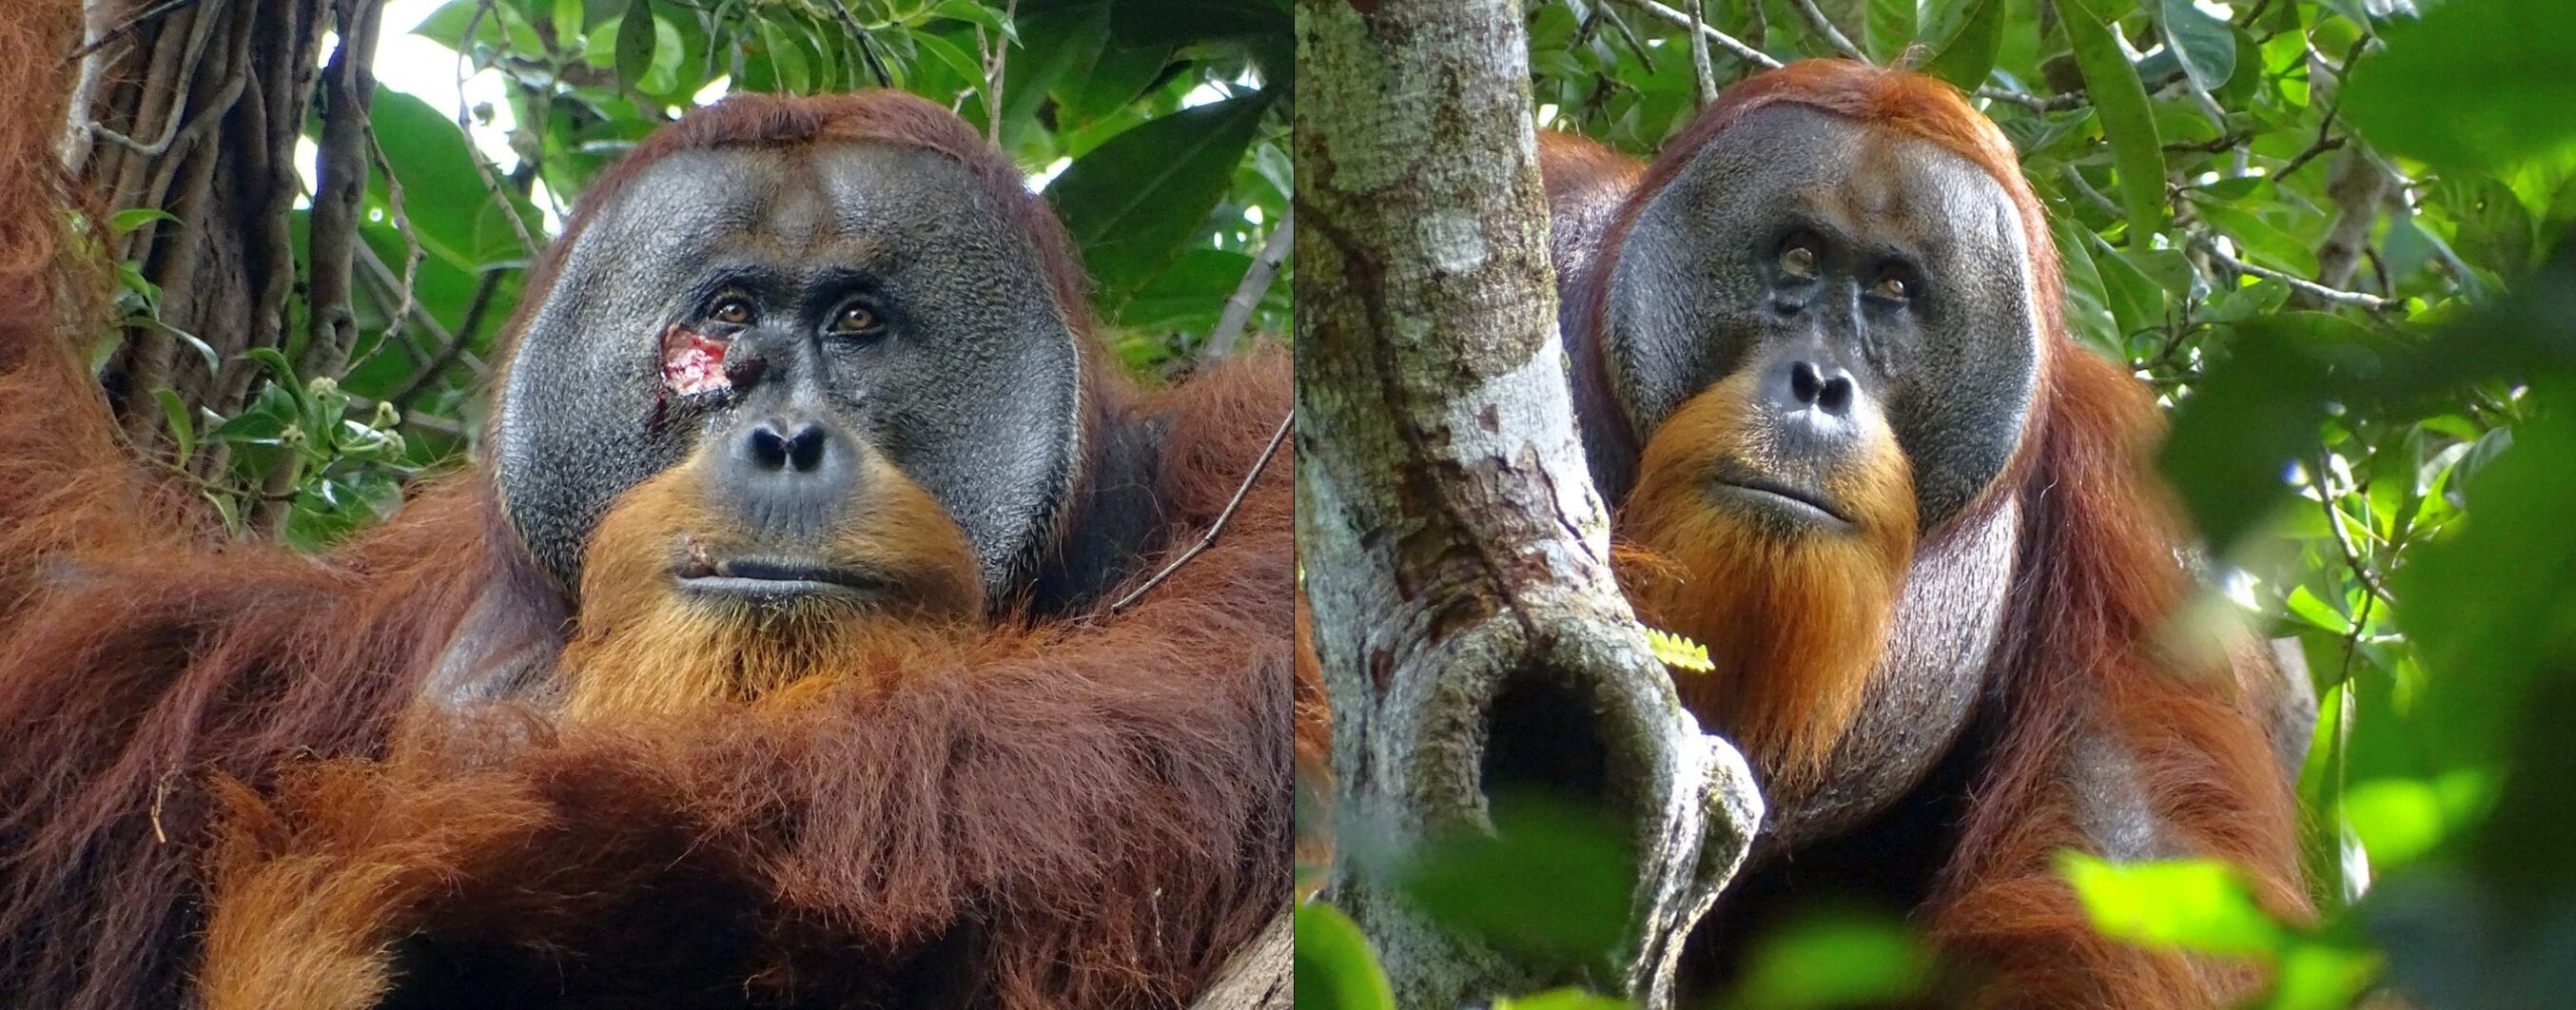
[692, 362]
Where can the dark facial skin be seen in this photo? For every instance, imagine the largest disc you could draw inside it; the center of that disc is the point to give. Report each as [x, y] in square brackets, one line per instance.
[1856, 269]
[1853, 271]
[869, 298]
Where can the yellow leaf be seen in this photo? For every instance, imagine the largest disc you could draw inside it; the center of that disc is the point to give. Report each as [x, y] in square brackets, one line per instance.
[1679, 653]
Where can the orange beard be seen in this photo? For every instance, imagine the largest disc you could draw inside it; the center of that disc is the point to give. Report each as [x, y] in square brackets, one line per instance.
[644, 647]
[1794, 619]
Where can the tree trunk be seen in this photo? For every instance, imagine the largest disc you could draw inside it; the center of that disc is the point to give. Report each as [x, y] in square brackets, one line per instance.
[1465, 615]
[195, 110]
[1259, 974]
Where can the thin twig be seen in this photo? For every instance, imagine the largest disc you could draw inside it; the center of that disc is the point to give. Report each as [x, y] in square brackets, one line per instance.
[451, 347]
[2312, 289]
[465, 124]
[2213, 145]
[431, 423]
[1645, 56]
[1256, 282]
[2035, 103]
[1222, 518]
[408, 294]
[165, 9]
[2334, 525]
[1824, 28]
[2324, 143]
[160, 791]
[2075, 181]
[998, 60]
[1704, 80]
[200, 35]
[1741, 49]
[867, 47]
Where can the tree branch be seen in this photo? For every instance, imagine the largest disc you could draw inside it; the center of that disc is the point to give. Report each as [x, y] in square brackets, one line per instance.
[346, 151]
[1256, 282]
[1259, 975]
[1214, 528]
[2035, 103]
[1703, 79]
[2312, 289]
[867, 46]
[1741, 49]
[1824, 28]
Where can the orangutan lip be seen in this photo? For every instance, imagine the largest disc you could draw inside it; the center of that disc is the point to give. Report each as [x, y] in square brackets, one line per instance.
[1781, 496]
[771, 579]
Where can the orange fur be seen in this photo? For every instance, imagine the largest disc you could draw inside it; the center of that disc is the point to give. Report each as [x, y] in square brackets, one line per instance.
[2091, 662]
[320, 881]
[1795, 621]
[644, 648]
[1116, 785]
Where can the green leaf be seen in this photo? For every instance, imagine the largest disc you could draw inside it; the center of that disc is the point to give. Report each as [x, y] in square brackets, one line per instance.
[206, 353]
[636, 43]
[2253, 414]
[1258, 23]
[1188, 296]
[1113, 81]
[1135, 200]
[2197, 904]
[787, 55]
[2266, 245]
[2490, 607]
[1563, 999]
[125, 221]
[2401, 819]
[1833, 961]
[2304, 605]
[455, 217]
[955, 58]
[1058, 44]
[570, 21]
[2474, 85]
[981, 14]
[279, 369]
[1890, 28]
[2135, 299]
[1551, 886]
[499, 27]
[1969, 54]
[2088, 309]
[183, 428]
[2317, 976]
[1335, 970]
[2121, 100]
[2202, 41]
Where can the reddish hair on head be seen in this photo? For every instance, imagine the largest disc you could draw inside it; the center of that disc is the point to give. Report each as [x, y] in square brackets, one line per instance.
[749, 119]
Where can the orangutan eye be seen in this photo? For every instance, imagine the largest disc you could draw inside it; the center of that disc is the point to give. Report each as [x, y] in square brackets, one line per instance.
[732, 310]
[1798, 261]
[856, 319]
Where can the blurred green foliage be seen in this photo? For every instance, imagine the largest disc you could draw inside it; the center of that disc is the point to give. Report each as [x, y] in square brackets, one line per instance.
[2332, 234]
[1158, 129]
